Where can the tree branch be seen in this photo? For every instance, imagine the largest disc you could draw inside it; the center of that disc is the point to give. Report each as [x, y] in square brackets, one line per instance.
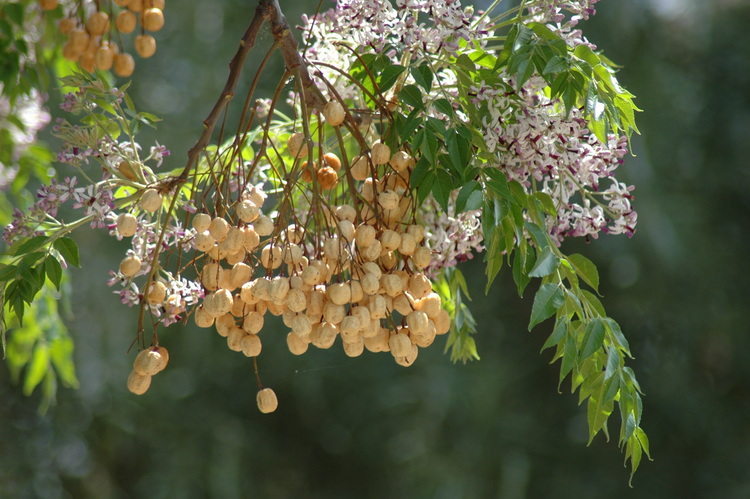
[267, 10]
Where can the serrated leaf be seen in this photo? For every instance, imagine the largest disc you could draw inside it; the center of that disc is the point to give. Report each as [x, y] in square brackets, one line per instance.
[585, 269]
[593, 338]
[69, 250]
[547, 262]
[547, 300]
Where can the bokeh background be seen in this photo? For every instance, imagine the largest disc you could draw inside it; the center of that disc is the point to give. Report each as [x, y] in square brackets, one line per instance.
[496, 428]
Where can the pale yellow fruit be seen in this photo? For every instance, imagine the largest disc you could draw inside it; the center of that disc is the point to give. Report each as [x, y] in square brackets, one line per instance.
[66, 25]
[267, 401]
[371, 252]
[234, 338]
[381, 153]
[127, 224]
[150, 200]
[333, 313]
[378, 307]
[251, 345]
[251, 239]
[48, 4]
[296, 145]
[233, 241]
[422, 257]
[408, 360]
[247, 211]
[442, 322]
[201, 222]
[218, 303]
[334, 113]
[403, 305]
[124, 65]
[417, 321]
[240, 274]
[408, 244]
[297, 345]
[204, 241]
[324, 337]
[378, 342]
[157, 292]
[388, 199]
[340, 293]
[138, 383]
[253, 322]
[390, 240]
[130, 266]
[354, 348]
[400, 345]
[86, 61]
[125, 22]
[145, 46]
[151, 361]
[400, 161]
[417, 231]
[98, 23]
[218, 228]
[360, 169]
[104, 57]
[224, 324]
[263, 226]
[419, 285]
[202, 318]
[152, 19]
[430, 305]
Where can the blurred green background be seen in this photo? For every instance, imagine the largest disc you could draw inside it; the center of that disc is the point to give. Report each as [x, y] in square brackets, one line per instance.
[366, 427]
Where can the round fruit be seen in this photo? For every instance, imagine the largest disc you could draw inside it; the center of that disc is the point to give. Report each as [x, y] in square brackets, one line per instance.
[152, 19]
[151, 199]
[400, 161]
[145, 45]
[48, 4]
[66, 25]
[138, 383]
[381, 153]
[104, 57]
[135, 5]
[151, 361]
[201, 222]
[98, 23]
[130, 266]
[126, 224]
[296, 145]
[125, 22]
[327, 178]
[332, 160]
[334, 113]
[124, 65]
[267, 401]
[157, 292]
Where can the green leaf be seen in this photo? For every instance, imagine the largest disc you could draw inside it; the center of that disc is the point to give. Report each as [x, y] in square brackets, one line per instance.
[30, 245]
[561, 328]
[53, 269]
[412, 96]
[444, 106]
[423, 76]
[585, 269]
[62, 359]
[522, 263]
[497, 182]
[620, 340]
[613, 362]
[442, 188]
[7, 272]
[389, 76]
[598, 414]
[547, 262]
[37, 368]
[494, 256]
[547, 300]
[468, 197]
[69, 250]
[593, 338]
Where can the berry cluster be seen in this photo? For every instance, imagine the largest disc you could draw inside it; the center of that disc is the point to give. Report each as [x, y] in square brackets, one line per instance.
[95, 44]
[342, 256]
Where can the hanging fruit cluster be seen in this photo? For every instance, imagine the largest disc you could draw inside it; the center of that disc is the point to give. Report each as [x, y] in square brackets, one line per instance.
[94, 34]
[343, 256]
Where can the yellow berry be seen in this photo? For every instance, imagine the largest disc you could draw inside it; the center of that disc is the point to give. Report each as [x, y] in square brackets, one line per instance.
[152, 19]
[145, 45]
[130, 266]
[138, 383]
[267, 401]
[124, 65]
[334, 113]
[125, 21]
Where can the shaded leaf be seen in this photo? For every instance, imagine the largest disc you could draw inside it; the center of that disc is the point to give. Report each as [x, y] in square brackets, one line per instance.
[547, 300]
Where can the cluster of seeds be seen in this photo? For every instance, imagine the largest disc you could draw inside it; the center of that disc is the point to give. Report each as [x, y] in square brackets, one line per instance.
[95, 44]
